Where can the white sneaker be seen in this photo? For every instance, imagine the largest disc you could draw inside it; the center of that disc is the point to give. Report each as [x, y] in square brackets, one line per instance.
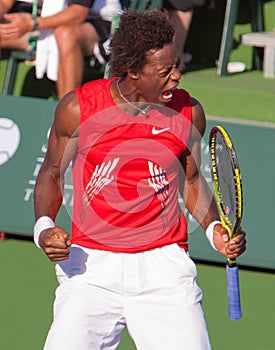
[102, 51]
[236, 67]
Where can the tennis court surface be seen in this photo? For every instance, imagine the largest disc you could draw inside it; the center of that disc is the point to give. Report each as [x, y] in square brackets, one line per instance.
[27, 292]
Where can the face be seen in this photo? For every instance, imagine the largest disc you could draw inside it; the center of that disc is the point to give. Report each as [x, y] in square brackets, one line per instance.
[160, 76]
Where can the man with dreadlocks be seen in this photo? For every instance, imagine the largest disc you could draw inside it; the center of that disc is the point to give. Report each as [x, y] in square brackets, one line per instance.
[134, 141]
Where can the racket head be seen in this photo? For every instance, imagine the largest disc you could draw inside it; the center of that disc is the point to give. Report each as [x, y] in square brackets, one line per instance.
[226, 177]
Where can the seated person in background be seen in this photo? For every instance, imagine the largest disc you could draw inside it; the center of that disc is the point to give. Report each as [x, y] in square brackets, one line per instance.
[11, 7]
[181, 13]
[77, 28]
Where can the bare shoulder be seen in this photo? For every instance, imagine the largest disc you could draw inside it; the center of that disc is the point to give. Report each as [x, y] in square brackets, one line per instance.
[67, 115]
[198, 118]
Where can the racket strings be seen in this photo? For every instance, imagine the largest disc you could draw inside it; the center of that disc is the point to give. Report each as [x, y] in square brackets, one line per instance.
[226, 181]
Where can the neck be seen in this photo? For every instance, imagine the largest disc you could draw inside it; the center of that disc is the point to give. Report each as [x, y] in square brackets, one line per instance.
[133, 104]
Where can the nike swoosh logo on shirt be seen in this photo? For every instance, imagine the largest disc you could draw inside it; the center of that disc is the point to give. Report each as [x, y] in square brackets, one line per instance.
[158, 131]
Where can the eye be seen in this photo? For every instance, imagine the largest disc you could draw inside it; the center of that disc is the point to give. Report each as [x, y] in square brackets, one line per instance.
[166, 72]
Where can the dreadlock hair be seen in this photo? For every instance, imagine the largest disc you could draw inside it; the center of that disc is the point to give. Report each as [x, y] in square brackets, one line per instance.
[137, 34]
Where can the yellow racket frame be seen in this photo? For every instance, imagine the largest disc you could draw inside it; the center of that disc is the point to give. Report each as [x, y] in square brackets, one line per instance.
[230, 226]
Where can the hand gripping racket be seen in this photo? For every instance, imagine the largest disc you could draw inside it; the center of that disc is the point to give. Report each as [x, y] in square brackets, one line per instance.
[227, 188]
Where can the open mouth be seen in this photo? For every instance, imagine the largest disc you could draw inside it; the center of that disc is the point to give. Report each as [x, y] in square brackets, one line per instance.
[167, 94]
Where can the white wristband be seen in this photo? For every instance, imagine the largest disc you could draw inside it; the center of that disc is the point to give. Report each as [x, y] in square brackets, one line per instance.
[41, 224]
[210, 233]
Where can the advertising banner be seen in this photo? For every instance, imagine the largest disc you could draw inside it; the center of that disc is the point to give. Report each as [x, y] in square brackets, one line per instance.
[24, 128]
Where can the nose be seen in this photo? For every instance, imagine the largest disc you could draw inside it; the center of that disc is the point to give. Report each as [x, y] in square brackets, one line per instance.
[176, 73]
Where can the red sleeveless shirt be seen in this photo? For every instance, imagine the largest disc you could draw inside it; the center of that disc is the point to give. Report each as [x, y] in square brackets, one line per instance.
[126, 172]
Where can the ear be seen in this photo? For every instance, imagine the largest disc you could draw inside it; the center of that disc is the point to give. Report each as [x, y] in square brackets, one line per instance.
[133, 75]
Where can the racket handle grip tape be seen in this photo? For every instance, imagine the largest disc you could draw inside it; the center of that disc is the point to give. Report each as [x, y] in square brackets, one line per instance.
[233, 292]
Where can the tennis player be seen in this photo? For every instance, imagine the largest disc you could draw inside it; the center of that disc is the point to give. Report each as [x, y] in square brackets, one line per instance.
[135, 142]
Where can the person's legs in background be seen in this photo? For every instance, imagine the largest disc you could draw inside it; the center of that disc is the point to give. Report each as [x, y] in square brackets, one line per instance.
[74, 43]
[182, 21]
[181, 14]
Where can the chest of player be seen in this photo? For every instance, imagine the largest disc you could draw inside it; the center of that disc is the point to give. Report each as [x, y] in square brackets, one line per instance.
[134, 140]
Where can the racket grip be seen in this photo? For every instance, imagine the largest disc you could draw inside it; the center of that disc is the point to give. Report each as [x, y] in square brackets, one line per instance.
[233, 292]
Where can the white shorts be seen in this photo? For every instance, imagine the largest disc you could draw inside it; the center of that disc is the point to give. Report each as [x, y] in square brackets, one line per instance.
[154, 293]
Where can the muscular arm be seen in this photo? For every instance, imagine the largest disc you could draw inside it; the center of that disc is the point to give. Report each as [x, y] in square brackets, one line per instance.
[49, 184]
[197, 195]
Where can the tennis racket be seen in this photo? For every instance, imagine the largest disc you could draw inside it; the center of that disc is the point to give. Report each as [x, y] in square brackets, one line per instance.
[227, 188]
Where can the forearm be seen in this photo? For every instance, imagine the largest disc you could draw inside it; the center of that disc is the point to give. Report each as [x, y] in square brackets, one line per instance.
[71, 15]
[199, 201]
[54, 240]
[47, 194]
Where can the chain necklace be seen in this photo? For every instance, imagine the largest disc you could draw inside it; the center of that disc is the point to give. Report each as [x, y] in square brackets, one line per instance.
[142, 111]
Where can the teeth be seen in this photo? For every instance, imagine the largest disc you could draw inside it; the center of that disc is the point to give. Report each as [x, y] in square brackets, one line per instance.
[167, 95]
